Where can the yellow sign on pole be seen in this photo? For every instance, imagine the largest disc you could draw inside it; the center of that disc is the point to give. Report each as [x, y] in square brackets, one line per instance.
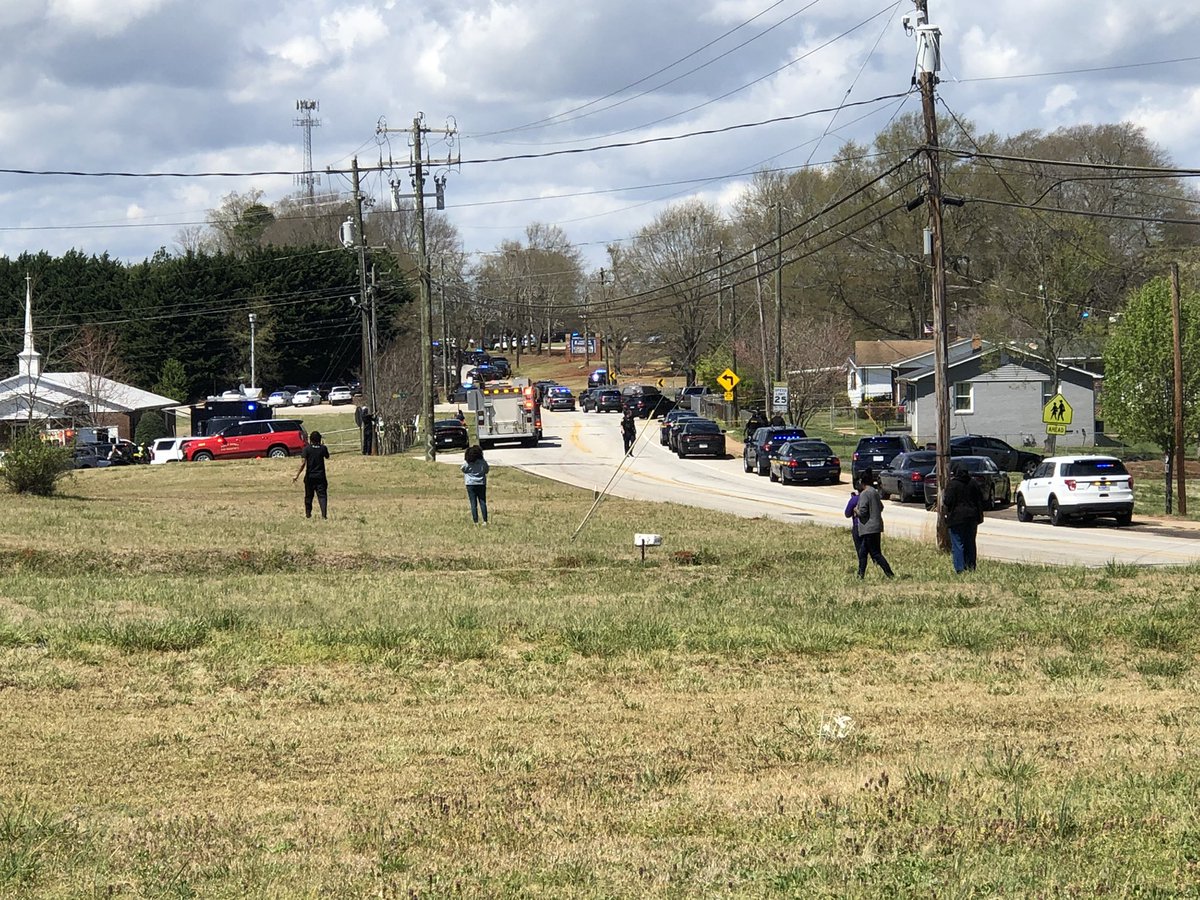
[729, 395]
[1056, 429]
[728, 380]
[661, 383]
[1057, 412]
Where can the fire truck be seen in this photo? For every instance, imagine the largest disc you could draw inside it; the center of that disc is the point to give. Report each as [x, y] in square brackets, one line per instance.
[505, 412]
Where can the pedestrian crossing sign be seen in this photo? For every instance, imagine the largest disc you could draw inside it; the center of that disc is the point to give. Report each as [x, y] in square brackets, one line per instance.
[1057, 412]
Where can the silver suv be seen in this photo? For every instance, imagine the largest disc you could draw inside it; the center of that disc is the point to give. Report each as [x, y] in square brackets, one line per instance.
[1077, 487]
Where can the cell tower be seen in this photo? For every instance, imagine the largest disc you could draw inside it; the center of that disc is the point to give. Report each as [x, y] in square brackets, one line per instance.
[308, 179]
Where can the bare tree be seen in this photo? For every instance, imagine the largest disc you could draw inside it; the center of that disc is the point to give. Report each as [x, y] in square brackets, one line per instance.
[94, 356]
[815, 354]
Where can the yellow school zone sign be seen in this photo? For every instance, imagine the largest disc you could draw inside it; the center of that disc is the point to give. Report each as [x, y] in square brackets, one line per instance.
[1057, 412]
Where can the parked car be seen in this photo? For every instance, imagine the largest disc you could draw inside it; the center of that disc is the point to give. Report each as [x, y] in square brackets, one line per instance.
[306, 398]
[1077, 487]
[693, 390]
[168, 449]
[340, 395]
[609, 400]
[449, 434]
[500, 364]
[275, 438]
[587, 399]
[89, 458]
[1006, 457]
[645, 402]
[559, 398]
[673, 419]
[700, 437]
[756, 452]
[993, 483]
[875, 451]
[904, 477]
[805, 460]
[279, 398]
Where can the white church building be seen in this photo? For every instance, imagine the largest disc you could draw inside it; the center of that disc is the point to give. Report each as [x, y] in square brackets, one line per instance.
[57, 400]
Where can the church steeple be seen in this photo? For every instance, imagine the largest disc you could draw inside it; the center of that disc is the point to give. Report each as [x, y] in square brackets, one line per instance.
[29, 361]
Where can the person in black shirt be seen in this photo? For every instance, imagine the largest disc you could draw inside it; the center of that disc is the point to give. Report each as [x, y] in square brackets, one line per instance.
[963, 503]
[312, 465]
[628, 432]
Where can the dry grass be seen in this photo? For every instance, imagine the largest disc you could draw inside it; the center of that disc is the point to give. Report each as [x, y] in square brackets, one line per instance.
[207, 695]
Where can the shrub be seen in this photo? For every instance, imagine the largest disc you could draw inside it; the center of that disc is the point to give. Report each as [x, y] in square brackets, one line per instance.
[33, 466]
[150, 428]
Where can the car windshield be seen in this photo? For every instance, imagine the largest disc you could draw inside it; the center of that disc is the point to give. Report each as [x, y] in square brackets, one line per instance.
[702, 426]
[1094, 468]
[808, 449]
[917, 460]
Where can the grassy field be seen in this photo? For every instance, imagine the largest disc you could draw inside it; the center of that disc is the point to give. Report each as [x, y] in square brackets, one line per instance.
[206, 695]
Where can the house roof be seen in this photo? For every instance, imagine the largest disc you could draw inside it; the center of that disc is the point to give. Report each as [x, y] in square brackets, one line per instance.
[927, 371]
[884, 353]
[50, 392]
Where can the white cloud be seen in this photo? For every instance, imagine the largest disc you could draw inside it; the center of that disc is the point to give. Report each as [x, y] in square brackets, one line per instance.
[106, 17]
[1060, 97]
[353, 29]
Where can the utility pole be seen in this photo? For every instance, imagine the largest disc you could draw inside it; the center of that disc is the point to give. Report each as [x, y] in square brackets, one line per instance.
[419, 163]
[779, 292]
[360, 245]
[928, 65]
[1179, 455]
[762, 329]
[253, 319]
[720, 283]
[445, 330]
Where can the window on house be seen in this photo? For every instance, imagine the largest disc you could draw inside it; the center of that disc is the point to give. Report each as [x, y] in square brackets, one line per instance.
[1047, 392]
[964, 397]
[853, 380]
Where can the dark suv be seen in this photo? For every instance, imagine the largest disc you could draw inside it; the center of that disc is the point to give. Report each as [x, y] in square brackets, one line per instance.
[1006, 458]
[756, 452]
[646, 402]
[877, 450]
[261, 437]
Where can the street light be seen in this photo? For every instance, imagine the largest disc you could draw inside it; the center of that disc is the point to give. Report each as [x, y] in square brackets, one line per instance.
[253, 319]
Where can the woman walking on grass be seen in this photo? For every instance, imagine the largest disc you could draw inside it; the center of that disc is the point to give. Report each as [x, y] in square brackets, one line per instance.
[475, 471]
[870, 525]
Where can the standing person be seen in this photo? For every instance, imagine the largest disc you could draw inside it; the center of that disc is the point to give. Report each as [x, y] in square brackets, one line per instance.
[860, 549]
[628, 431]
[312, 465]
[475, 471]
[757, 420]
[777, 419]
[368, 431]
[963, 502]
[869, 510]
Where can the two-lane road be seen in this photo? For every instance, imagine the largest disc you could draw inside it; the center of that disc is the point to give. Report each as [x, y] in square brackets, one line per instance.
[584, 449]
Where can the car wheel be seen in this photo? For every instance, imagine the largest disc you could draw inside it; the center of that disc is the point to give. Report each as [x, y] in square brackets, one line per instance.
[762, 470]
[1124, 519]
[1056, 513]
[202, 456]
[277, 452]
[745, 463]
[680, 453]
[886, 495]
[771, 475]
[1023, 513]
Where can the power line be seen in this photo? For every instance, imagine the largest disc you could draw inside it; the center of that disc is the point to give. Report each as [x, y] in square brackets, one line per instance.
[1085, 71]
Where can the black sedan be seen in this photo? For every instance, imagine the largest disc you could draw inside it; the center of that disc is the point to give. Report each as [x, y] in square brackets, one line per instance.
[672, 421]
[700, 437]
[559, 398]
[807, 460]
[904, 477]
[994, 484]
[1005, 456]
[449, 434]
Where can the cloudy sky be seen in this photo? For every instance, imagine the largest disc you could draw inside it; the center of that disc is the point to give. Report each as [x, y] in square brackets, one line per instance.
[178, 86]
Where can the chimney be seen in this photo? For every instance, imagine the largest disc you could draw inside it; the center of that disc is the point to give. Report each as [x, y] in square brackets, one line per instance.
[976, 343]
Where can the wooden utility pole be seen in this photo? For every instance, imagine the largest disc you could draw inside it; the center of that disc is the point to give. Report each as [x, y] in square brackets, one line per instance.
[779, 292]
[928, 64]
[1179, 455]
[360, 246]
[419, 163]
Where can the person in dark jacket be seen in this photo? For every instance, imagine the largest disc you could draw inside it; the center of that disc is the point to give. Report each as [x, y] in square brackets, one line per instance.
[860, 550]
[777, 419]
[628, 432]
[963, 503]
[757, 420]
[869, 511]
[475, 472]
[312, 465]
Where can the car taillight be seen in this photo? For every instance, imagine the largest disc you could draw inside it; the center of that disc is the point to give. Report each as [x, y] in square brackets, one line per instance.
[1131, 482]
[791, 464]
[917, 476]
[834, 461]
[855, 457]
[1070, 483]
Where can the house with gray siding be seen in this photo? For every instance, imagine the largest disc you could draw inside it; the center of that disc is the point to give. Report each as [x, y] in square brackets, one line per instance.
[1001, 390]
[872, 372]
